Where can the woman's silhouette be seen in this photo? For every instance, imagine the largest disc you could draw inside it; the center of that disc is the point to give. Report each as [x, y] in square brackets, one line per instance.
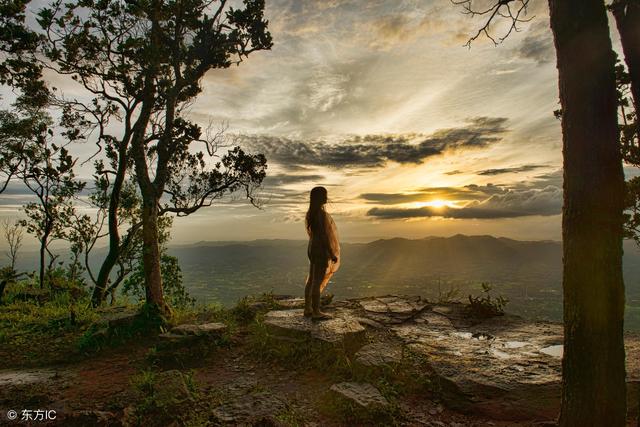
[323, 252]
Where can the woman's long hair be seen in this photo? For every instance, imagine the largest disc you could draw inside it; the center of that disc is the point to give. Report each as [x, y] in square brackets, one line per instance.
[317, 200]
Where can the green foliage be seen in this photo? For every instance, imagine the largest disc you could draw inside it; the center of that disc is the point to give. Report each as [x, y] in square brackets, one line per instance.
[175, 292]
[149, 320]
[450, 295]
[249, 306]
[38, 330]
[485, 306]
[159, 403]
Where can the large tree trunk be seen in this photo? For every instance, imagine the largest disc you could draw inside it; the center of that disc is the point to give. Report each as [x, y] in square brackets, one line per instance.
[114, 234]
[593, 387]
[151, 252]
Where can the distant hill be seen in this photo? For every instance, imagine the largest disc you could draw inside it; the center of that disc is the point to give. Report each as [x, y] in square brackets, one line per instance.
[529, 273]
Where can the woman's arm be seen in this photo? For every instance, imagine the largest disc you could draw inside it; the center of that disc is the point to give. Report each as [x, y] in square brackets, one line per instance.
[331, 234]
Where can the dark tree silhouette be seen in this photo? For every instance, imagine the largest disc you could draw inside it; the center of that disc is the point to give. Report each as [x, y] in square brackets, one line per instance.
[48, 173]
[13, 234]
[593, 386]
[143, 61]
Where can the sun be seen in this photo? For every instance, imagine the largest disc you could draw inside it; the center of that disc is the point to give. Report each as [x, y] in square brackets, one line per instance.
[436, 204]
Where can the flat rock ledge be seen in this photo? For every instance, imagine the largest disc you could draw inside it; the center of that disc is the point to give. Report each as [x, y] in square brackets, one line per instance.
[291, 325]
[392, 309]
[363, 395]
[189, 332]
[506, 367]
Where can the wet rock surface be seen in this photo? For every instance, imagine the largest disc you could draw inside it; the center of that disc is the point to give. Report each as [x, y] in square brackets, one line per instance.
[362, 394]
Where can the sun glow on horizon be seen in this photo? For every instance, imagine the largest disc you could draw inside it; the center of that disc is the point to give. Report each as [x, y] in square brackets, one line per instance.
[436, 204]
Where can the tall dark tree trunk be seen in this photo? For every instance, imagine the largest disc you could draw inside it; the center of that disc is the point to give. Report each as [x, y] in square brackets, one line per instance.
[151, 252]
[593, 386]
[627, 16]
[43, 254]
[114, 234]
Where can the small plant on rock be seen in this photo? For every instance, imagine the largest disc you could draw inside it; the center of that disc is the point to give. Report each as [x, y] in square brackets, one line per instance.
[486, 306]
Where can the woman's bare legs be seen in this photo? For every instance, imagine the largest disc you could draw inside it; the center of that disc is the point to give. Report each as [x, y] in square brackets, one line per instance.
[319, 271]
[312, 291]
[307, 292]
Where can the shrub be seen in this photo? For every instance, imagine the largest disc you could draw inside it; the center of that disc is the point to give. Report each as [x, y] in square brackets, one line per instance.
[485, 306]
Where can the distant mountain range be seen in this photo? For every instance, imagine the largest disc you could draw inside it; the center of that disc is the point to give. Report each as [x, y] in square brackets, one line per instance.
[529, 273]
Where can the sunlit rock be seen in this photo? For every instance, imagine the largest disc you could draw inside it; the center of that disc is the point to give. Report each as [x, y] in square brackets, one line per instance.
[392, 309]
[503, 367]
[378, 354]
[362, 394]
[342, 328]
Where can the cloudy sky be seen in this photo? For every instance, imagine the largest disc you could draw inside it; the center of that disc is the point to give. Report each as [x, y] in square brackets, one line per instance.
[412, 133]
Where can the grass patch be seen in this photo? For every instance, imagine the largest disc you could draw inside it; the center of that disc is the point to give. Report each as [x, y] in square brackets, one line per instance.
[41, 333]
[148, 320]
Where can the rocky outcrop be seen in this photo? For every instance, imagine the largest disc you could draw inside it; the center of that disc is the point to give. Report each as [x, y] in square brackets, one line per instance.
[503, 367]
[290, 325]
[392, 309]
[191, 332]
[379, 355]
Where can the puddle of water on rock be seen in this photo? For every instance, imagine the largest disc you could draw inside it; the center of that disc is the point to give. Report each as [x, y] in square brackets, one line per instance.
[553, 350]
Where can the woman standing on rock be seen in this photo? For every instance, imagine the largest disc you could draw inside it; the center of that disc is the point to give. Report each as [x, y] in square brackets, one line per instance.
[323, 252]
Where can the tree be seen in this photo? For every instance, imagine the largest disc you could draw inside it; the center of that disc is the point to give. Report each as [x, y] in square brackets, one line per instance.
[13, 233]
[173, 286]
[627, 16]
[23, 73]
[593, 387]
[143, 62]
[48, 173]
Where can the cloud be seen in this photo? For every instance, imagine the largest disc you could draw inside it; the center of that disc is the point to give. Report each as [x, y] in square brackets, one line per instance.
[537, 45]
[327, 90]
[485, 202]
[517, 169]
[284, 179]
[375, 151]
[466, 193]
